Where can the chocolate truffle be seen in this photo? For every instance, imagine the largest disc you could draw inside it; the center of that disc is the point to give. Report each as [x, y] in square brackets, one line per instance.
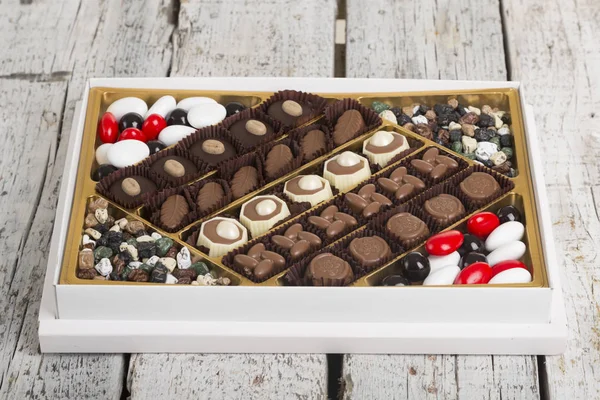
[312, 143]
[367, 202]
[262, 213]
[221, 235]
[297, 241]
[244, 181]
[326, 269]
[173, 167]
[173, 211]
[348, 126]
[278, 158]
[383, 146]
[369, 251]
[444, 207]
[406, 226]
[310, 188]
[480, 187]
[213, 151]
[346, 170]
[250, 132]
[259, 262]
[290, 112]
[209, 196]
[131, 188]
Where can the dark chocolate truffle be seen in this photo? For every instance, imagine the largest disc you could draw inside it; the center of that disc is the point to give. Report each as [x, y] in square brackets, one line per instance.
[369, 251]
[213, 151]
[129, 189]
[326, 269]
[173, 167]
[290, 112]
[250, 131]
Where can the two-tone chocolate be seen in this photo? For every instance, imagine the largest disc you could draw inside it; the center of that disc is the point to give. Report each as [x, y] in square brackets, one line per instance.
[213, 151]
[309, 188]
[383, 146]
[221, 235]
[346, 170]
[262, 213]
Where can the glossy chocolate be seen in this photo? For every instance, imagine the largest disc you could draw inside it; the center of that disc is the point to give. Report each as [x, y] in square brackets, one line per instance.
[480, 186]
[415, 267]
[509, 213]
[145, 184]
[159, 166]
[326, 268]
[213, 151]
[247, 138]
[369, 251]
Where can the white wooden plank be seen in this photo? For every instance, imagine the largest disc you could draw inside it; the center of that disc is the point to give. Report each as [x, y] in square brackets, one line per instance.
[431, 40]
[254, 38]
[63, 43]
[554, 51]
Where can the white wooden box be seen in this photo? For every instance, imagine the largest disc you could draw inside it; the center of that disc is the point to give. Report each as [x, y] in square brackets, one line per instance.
[170, 318]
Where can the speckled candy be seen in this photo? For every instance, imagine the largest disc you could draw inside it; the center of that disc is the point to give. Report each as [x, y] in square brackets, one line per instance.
[379, 107]
[163, 245]
[444, 243]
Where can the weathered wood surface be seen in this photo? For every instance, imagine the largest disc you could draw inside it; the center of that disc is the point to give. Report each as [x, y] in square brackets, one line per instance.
[554, 50]
[215, 39]
[432, 40]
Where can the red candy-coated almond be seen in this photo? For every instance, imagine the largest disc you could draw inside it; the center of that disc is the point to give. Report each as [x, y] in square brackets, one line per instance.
[509, 264]
[482, 224]
[133, 134]
[153, 125]
[108, 128]
[444, 243]
[475, 273]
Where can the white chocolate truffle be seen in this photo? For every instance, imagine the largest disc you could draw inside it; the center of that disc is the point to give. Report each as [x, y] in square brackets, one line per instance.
[221, 235]
[345, 171]
[261, 213]
[383, 146]
[310, 188]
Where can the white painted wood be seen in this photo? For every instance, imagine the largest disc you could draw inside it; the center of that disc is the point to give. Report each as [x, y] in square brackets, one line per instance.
[433, 40]
[233, 376]
[554, 50]
[48, 49]
[429, 39]
[255, 38]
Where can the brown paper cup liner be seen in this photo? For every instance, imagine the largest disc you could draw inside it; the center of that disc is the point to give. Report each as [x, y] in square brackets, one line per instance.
[176, 151]
[344, 246]
[378, 224]
[317, 103]
[155, 203]
[462, 165]
[281, 230]
[378, 189]
[254, 113]
[299, 133]
[210, 132]
[294, 163]
[446, 187]
[296, 275]
[103, 186]
[336, 201]
[228, 260]
[228, 169]
[194, 190]
[335, 111]
[506, 185]
[387, 173]
[193, 239]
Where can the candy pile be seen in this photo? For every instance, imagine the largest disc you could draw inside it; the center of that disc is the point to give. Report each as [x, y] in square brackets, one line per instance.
[130, 132]
[482, 134]
[489, 253]
[123, 250]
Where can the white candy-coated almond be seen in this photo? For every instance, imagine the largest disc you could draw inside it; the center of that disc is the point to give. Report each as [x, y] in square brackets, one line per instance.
[174, 133]
[101, 152]
[509, 251]
[126, 105]
[513, 275]
[206, 114]
[442, 276]
[189, 102]
[127, 152]
[438, 262]
[162, 107]
[508, 232]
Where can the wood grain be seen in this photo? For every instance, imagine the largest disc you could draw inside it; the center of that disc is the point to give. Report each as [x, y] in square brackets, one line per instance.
[49, 49]
[431, 40]
[554, 50]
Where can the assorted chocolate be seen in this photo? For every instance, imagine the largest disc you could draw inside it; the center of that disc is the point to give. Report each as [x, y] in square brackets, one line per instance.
[332, 222]
[434, 165]
[367, 202]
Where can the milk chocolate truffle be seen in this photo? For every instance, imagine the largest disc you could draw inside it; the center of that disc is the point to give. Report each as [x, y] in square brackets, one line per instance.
[480, 187]
[244, 181]
[278, 158]
[250, 131]
[297, 241]
[346, 170]
[406, 226]
[369, 251]
[259, 262]
[173, 211]
[173, 167]
[262, 213]
[383, 146]
[326, 269]
[209, 196]
[131, 188]
[444, 207]
[221, 235]
[312, 143]
[290, 112]
[310, 188]
[348, 126]
[213, 151]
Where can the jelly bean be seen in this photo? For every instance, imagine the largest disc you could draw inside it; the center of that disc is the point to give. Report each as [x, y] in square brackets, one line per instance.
[108, 128]
[482, 224]
[444, 243]
[476, 273]
[132, 134]
[471, 243]
[472, 258]
[415, 266]
[162, 107]
[131, 120]
[509, 264]
[126, 105]
[443, 276]
[509, 213]
[510, 231]
[153, 125]
[509, 251]
[510, 276]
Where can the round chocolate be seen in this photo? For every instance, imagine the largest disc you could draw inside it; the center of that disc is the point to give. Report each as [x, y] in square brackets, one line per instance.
[239, 130]
[395, 280]
[233, 108]
[509, 213]
[471, 258]
[470, 243]
[145, 184]
[103, 171]
[480, 186]
[369, 251]
[444, 207]
[131, 120]
[278, 112]
[155, 146]
[305, 185]
[379, 144]
[406, 226]
[221, 232]
[343, 166]
[212, 151]
[178, 117]
[415, 266]
[326, 269]
[159, 166]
